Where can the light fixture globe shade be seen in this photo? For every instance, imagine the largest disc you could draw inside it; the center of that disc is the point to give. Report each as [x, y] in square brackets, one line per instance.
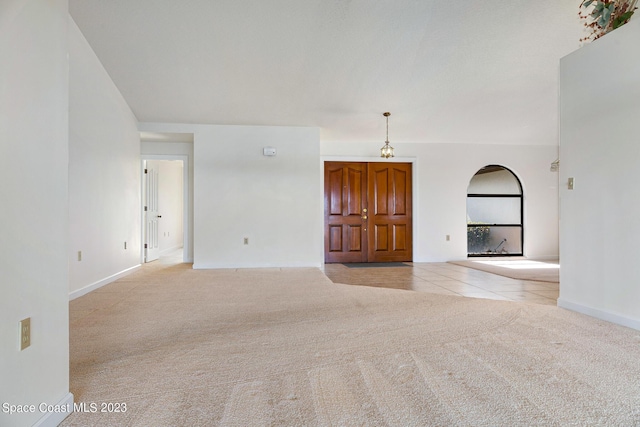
[386, 151]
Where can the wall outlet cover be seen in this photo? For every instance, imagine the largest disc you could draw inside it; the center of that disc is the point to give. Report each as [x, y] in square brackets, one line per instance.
[25, 333]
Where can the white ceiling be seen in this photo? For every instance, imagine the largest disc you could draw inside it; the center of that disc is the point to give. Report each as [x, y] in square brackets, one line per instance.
[448, 71]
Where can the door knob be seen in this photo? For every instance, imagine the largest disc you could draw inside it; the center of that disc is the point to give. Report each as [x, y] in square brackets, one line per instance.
[364, 210]
[364, 217]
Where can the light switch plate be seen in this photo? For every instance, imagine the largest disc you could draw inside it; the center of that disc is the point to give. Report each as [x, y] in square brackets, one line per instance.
[570, 184]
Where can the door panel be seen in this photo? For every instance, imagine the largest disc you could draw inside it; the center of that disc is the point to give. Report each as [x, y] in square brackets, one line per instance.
[381, 238]
[355, 237]
[391, 221]
[380, 189]
[368, 212]
[356, 188]
[400, 237]
[335, 238]
[401, 178]
[345, 199]
[151, 235]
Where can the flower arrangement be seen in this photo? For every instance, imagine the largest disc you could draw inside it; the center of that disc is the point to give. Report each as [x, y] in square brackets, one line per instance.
[602, 16]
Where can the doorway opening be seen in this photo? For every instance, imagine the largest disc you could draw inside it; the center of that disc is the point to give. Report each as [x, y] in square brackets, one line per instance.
[367, 212]
[494, 213]
[164, 207]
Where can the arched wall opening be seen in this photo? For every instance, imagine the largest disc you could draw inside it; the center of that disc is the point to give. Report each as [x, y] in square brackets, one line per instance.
[495, 213]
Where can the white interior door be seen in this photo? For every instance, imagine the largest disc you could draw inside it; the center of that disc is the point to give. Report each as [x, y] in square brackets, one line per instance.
[151, 240]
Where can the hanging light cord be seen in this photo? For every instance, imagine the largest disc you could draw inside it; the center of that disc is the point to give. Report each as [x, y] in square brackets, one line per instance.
[387, 130]
[387, 116]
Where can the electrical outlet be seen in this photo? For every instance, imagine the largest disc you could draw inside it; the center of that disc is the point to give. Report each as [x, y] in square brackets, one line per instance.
[25, 333]
[246, 240]
[79, 255]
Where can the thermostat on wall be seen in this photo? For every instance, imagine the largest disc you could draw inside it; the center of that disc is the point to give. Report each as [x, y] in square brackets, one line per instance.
[269, 151]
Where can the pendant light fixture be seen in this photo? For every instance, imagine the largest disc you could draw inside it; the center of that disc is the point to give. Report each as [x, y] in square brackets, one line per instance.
[386, 151]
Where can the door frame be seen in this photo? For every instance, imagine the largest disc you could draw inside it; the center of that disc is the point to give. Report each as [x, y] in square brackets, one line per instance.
[185, 200]
[415, 202]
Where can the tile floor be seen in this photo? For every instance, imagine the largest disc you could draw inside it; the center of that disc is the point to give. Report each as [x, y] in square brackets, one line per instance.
[438, 278]
[448, 279]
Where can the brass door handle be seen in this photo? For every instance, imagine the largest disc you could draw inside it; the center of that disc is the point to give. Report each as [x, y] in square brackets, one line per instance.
[364, 217]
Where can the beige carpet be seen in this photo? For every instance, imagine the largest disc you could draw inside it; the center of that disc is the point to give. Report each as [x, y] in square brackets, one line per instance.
[522, 269]
[182, 347]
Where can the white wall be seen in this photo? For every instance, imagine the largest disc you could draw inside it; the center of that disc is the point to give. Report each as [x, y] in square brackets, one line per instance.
[104, 174]
[275, 202]
[442, 173]
[34, 216]
[600, 149]
[170, 205]
[231, 173]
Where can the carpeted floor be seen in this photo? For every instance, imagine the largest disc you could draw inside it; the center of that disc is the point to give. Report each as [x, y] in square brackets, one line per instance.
[290, 348]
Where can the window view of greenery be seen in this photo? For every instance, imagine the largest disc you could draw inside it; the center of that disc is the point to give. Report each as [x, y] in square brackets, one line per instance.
[494, 213]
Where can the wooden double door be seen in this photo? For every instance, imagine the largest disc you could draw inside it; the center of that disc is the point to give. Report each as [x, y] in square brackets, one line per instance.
[367, 212]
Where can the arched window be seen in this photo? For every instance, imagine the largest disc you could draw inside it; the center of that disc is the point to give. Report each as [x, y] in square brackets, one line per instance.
[494, 213]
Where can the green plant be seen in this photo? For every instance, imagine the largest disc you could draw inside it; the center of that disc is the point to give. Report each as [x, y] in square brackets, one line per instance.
[600, 16]
[477, 237]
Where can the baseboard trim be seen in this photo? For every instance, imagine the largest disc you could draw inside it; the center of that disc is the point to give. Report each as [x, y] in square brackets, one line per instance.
[600, 314]
[92, 287]
[53, 419]
[248, 267]
[544, 258]
[166, 251]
